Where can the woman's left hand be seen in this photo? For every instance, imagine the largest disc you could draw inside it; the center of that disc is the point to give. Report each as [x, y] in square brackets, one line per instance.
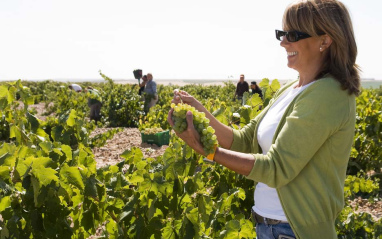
[190, 136]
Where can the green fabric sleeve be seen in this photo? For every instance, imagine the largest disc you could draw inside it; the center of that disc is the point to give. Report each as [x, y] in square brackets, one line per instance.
[243, 139]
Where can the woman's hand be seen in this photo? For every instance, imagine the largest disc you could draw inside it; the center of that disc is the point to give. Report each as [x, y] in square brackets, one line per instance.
[190, 136]
[223, 132]
[183, 96]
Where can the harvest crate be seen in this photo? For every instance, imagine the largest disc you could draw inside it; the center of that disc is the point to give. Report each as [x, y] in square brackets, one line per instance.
[161, 138]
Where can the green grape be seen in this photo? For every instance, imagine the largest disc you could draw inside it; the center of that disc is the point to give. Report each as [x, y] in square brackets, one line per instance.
[201, 124]
[152, 130]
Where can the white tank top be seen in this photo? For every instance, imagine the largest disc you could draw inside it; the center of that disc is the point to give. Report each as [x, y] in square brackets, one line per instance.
[267, 202]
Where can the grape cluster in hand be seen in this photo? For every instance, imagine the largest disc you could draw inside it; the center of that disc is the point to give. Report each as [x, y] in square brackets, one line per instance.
[201, 124]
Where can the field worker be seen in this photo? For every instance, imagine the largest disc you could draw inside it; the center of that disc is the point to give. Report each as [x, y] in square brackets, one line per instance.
[297, 149]
[75, 87]
[241, 87]
[255, 89]
[142, 85]
[151, 91]
[94, 103]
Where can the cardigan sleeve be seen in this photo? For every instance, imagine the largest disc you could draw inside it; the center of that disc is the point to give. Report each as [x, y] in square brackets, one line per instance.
[312, 118]
[244, 139]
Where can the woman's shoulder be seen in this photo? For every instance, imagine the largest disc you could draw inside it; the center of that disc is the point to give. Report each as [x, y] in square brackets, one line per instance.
[327, 87]
[326, 92]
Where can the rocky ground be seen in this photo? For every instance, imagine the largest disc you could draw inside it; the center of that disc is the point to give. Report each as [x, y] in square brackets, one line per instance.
[109, 154]
[363, 205]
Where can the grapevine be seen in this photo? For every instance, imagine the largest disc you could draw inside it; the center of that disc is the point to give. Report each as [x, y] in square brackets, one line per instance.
[51, 185]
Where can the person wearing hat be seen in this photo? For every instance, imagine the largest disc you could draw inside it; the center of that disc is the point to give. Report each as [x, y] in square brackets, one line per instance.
[255, 89]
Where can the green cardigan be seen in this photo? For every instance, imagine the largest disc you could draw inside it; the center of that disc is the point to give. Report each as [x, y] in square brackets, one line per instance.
[308, 158]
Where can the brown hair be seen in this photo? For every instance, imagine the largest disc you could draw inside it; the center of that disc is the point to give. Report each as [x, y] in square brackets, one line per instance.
[330, 17]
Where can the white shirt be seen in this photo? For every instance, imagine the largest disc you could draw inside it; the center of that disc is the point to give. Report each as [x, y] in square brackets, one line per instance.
[267, 202]
[76, 87]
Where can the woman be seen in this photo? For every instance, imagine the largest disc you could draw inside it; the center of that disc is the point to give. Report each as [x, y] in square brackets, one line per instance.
[298, 147]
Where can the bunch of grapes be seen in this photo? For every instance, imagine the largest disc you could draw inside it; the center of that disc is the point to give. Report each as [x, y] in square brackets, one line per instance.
[201, 124]
[152, 130]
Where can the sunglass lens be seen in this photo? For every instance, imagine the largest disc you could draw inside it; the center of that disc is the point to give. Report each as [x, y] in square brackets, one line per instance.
[292, 36]
[279, 35]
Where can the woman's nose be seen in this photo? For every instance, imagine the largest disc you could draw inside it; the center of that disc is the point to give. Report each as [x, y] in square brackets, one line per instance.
[284, 42]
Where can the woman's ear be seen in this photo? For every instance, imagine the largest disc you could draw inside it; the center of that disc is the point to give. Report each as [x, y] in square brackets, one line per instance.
[326, 41]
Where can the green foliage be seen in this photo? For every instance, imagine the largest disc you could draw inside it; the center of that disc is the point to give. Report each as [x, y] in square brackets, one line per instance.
[50, 187]
[100, 139]
[121, 105]
[175, 195]
[367, 150]
[357, 225]
[360, 186]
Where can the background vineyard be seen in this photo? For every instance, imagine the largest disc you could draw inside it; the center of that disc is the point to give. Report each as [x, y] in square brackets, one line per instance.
[50, 186]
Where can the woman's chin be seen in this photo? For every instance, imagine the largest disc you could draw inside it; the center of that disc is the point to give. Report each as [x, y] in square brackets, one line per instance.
[292, 66]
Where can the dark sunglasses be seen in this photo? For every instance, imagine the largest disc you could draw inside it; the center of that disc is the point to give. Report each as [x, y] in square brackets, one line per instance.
[291, 36]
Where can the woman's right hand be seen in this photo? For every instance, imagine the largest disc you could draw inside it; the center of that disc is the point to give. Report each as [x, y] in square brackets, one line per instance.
[182, 96]
[223, 132]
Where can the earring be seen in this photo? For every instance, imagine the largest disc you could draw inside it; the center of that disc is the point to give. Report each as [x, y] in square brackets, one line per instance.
[320, 48]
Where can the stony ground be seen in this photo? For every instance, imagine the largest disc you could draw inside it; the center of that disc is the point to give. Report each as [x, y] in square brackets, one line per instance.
[109, 154]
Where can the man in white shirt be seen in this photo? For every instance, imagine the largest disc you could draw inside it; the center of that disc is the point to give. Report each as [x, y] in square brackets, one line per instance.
[75, 87]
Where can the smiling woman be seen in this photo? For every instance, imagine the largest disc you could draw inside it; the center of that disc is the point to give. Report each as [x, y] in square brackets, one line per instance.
[298, 147]
[329, 23]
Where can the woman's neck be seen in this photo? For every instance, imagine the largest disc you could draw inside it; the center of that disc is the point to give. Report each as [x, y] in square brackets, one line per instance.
[304, 81]
[308, 77]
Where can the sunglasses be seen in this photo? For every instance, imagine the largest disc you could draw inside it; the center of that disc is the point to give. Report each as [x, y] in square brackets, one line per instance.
[291, 36]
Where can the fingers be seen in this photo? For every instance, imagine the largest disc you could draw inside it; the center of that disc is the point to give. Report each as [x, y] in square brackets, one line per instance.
[180, 95]
[176, 99]
[189, 118]
[169, 118]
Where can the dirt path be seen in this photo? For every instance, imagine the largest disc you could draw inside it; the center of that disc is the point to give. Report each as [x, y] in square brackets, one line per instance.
[109, 154]
[40, 109]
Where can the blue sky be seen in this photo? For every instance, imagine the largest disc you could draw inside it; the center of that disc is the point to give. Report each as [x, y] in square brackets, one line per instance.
[209, 39]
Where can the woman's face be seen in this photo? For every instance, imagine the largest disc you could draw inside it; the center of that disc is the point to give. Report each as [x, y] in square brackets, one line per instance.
[303, 55]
